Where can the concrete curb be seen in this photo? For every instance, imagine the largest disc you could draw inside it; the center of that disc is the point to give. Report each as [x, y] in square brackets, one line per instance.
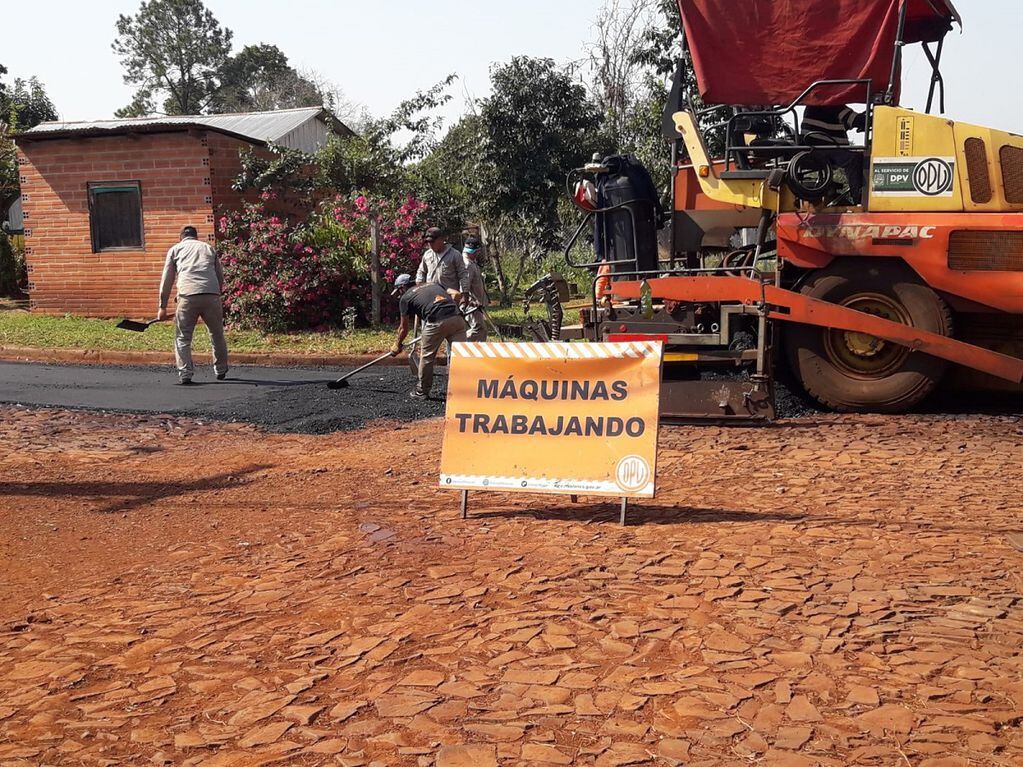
[107, 357]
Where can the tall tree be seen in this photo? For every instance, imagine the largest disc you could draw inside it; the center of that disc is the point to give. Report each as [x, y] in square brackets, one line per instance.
[3, 93]
[538, 123]
[259, 78]
[617, 67]
[175, 49]
[637, 48]
[454, 179]
[9, 188]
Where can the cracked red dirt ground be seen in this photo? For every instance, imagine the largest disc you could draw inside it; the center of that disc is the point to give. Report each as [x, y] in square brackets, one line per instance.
[836, 591]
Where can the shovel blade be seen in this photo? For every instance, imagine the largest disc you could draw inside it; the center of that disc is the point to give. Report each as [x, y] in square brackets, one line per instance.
[133, 325]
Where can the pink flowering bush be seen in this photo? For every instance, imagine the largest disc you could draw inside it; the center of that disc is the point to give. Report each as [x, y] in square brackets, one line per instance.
[284, 276]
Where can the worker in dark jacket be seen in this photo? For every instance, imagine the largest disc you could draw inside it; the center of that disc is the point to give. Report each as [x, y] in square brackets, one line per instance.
[831, 125]
[436, 307]
[828, 127]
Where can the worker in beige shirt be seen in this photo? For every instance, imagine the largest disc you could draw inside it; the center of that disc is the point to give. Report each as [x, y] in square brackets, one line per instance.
[441, 264]
[196, 268]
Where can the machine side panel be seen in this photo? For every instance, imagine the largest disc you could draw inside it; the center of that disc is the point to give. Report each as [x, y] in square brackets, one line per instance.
[921, 240]
[913, 165]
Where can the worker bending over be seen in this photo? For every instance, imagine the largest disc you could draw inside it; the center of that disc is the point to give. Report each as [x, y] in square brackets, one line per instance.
[442, 321]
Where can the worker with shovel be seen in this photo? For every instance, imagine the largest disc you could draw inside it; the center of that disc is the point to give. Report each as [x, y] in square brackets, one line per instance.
[436, 307]
[195, 267]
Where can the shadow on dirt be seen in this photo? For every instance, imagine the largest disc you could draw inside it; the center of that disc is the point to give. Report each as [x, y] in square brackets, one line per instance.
[639, 514]
[134, 494]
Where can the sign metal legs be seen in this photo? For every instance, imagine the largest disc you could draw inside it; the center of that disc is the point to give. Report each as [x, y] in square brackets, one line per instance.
[623, 508]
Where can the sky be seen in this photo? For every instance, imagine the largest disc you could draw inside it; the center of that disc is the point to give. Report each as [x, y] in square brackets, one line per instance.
[379, 53]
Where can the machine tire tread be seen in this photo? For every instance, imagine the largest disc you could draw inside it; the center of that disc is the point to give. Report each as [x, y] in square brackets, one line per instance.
[824, 383]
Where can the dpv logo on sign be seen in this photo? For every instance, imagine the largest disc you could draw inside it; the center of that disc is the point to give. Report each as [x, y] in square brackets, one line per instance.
[932, 177]
[632, 473]
[913, 177]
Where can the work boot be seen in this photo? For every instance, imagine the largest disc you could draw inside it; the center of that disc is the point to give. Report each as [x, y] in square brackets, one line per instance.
[185, 382]
[221, 376]
[417, 394]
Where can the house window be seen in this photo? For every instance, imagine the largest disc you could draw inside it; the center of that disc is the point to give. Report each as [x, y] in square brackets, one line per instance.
[115, 215]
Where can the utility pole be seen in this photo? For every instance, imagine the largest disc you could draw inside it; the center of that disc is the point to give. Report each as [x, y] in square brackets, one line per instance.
[374, 267]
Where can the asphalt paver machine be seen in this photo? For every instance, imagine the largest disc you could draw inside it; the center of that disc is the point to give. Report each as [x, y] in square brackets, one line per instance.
[869, 268]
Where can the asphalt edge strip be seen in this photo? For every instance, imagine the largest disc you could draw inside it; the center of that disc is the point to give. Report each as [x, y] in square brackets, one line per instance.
[113, 357]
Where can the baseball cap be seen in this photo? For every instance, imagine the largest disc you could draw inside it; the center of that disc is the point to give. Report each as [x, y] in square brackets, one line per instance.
[432, 234]
[401, 281]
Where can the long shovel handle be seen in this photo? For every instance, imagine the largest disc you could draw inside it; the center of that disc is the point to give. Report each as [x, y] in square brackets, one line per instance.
[371, 363]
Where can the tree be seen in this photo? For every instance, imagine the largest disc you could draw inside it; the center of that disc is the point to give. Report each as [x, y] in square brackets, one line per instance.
[381, 157]
[174, 48]
[23, 107]
[30, 104]
[5, 102]
[454, 179]
[258, 79]
[618, 70]
[538, 123]
[638, 47]
[333, 98]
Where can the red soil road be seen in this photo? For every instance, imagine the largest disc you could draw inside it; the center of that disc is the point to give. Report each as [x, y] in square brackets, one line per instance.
[835, 591]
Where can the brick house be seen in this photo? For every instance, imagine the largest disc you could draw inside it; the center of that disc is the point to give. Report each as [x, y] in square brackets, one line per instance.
[103, 201]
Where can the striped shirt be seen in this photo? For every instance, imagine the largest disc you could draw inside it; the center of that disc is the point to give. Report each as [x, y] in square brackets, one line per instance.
[833, 122]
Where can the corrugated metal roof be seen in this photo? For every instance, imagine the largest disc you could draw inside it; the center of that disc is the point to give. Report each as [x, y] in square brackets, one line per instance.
[256, 126]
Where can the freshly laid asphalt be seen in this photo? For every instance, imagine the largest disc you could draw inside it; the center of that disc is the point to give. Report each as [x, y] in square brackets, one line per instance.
[280, 399]
[298, 400]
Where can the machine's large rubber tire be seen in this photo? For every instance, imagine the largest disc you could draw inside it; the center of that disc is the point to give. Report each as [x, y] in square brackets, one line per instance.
[858, 373]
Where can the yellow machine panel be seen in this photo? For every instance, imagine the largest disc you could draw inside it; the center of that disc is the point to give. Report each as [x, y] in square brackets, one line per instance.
[750, 193]
[913, 165]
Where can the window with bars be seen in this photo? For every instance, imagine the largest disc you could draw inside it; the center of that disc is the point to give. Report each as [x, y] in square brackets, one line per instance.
[115, 215]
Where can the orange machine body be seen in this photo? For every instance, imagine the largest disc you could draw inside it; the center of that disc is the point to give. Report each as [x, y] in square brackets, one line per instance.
[975, 260]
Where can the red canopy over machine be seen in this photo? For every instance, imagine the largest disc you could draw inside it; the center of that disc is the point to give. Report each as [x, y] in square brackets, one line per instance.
[767, 52]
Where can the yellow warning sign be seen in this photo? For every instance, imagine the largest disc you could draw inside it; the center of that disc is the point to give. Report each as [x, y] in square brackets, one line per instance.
[570, 418]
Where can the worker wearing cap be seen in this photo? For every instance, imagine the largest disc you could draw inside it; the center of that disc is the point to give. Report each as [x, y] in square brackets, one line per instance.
[442, 321]
[441, 264]
[475, 317]
[195, 267]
